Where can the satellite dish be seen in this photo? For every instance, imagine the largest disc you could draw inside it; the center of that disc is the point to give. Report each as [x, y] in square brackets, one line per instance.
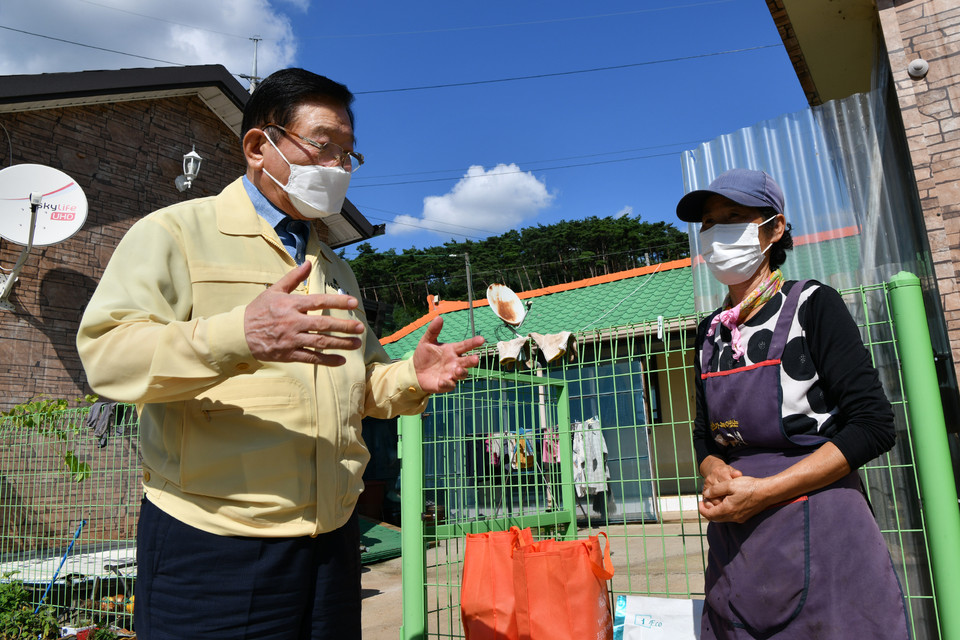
[61, 213]
[505, 304]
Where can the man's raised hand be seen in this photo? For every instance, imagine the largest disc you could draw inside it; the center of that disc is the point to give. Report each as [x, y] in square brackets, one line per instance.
[279, 328]
[439, 366]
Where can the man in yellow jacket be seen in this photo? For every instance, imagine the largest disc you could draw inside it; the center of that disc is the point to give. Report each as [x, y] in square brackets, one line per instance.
[237, 332]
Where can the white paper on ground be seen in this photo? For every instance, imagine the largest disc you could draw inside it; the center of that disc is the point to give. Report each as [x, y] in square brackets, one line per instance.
[648, 618]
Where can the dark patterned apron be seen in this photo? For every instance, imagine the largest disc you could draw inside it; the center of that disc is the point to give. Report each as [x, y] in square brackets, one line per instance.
[813, 567]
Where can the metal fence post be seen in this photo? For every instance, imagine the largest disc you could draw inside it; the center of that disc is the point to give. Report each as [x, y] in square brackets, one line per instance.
[566, 458]
[932, 455]
[413, 554]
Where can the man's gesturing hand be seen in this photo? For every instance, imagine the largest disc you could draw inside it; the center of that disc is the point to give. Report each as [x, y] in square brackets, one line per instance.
[279, 329]
[439, 366]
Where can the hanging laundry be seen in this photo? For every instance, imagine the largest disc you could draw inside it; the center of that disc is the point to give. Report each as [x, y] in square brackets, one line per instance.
[512, 352]
[520, 456]
[100, 418]
[556, 347]
[590, 470]
[494, 450]
[551, 446]
[524, 458]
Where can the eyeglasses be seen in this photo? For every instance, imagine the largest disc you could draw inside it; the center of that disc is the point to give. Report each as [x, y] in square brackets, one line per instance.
[330, 153]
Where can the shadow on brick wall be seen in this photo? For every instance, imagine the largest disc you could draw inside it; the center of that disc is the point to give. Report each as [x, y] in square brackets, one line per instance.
[64, 294]
[24, 529]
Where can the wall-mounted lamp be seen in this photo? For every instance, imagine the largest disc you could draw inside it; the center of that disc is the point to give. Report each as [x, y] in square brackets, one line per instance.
[191, 167]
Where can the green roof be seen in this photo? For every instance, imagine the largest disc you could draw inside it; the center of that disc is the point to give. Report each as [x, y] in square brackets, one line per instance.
[824, 259]
[592, 306]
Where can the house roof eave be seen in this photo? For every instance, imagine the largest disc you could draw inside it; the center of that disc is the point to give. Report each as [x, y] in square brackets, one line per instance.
[213, 84]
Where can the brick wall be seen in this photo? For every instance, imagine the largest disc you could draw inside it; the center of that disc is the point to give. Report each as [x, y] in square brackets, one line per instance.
[125, 156]
[930, 29]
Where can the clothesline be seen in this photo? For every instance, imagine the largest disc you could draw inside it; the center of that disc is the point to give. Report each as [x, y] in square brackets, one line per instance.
[588, 443]
[516, 450]
[522, 431]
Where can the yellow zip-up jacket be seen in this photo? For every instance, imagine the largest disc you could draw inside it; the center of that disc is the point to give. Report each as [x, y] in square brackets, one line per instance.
[232, 445]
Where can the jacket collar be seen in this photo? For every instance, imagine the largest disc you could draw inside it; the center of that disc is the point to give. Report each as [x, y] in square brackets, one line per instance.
[236, 216]
[325, 251]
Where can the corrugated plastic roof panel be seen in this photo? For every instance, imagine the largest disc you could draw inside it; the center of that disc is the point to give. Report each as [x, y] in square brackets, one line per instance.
[843, 173]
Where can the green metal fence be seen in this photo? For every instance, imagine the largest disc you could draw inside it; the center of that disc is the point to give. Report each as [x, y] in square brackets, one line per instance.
[635, 385]
[69, 501]
[513, 448]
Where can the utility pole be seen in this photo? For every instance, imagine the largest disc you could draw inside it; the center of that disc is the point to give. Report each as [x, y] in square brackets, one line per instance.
[473, 331]
[253, 77]
[466, 257]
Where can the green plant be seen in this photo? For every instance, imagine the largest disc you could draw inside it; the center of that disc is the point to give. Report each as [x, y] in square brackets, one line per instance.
[102, 634]
[41, 415]
[17, 618]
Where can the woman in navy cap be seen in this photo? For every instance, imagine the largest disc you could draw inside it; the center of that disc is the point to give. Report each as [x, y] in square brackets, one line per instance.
[788, 408]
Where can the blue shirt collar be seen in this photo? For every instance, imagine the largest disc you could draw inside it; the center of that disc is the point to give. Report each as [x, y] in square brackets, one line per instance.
[266, 209]
[294, 237]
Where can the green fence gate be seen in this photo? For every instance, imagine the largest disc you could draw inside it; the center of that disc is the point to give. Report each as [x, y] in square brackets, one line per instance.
[510, 449]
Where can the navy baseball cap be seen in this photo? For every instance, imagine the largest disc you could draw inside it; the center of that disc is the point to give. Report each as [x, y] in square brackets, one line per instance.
[744, 186]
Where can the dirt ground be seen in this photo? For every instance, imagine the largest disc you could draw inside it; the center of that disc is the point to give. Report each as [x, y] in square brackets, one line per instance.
[382, 600]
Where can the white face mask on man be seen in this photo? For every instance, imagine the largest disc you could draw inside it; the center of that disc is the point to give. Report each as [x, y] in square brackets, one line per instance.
[732, 251]
[315, 191]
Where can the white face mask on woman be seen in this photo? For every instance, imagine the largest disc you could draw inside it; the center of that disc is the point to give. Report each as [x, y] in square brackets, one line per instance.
[732, 251]
[315, 191]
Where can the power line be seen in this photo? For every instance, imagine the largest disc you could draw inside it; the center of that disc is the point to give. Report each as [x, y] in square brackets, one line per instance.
[425, 228]
[504, 173]
[453, 275]
[424, 87]
[90, 46]
[527, 162]
[464, 177]
[517, 24]
[642, 284]
[179, 24]
[567, 73]
[424, 31]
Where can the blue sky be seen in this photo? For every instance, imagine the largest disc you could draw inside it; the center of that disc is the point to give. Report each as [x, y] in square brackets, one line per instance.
[560, 110]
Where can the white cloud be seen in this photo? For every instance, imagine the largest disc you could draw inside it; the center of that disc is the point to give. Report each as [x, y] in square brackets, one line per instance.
[482, 203]
[626, 211]
[168, 31]
[302, 5]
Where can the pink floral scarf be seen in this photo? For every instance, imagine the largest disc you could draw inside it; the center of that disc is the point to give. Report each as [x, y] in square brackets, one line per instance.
[730, 317]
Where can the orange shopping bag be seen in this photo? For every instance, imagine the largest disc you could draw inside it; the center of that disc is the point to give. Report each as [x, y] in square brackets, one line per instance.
[561, 590]
[487, 604]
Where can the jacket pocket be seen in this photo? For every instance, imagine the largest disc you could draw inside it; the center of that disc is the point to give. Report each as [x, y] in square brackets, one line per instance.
[251, 440]
[219, 288]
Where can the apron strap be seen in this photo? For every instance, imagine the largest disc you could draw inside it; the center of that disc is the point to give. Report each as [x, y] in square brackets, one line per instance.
[709, 346]
[782, 331]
